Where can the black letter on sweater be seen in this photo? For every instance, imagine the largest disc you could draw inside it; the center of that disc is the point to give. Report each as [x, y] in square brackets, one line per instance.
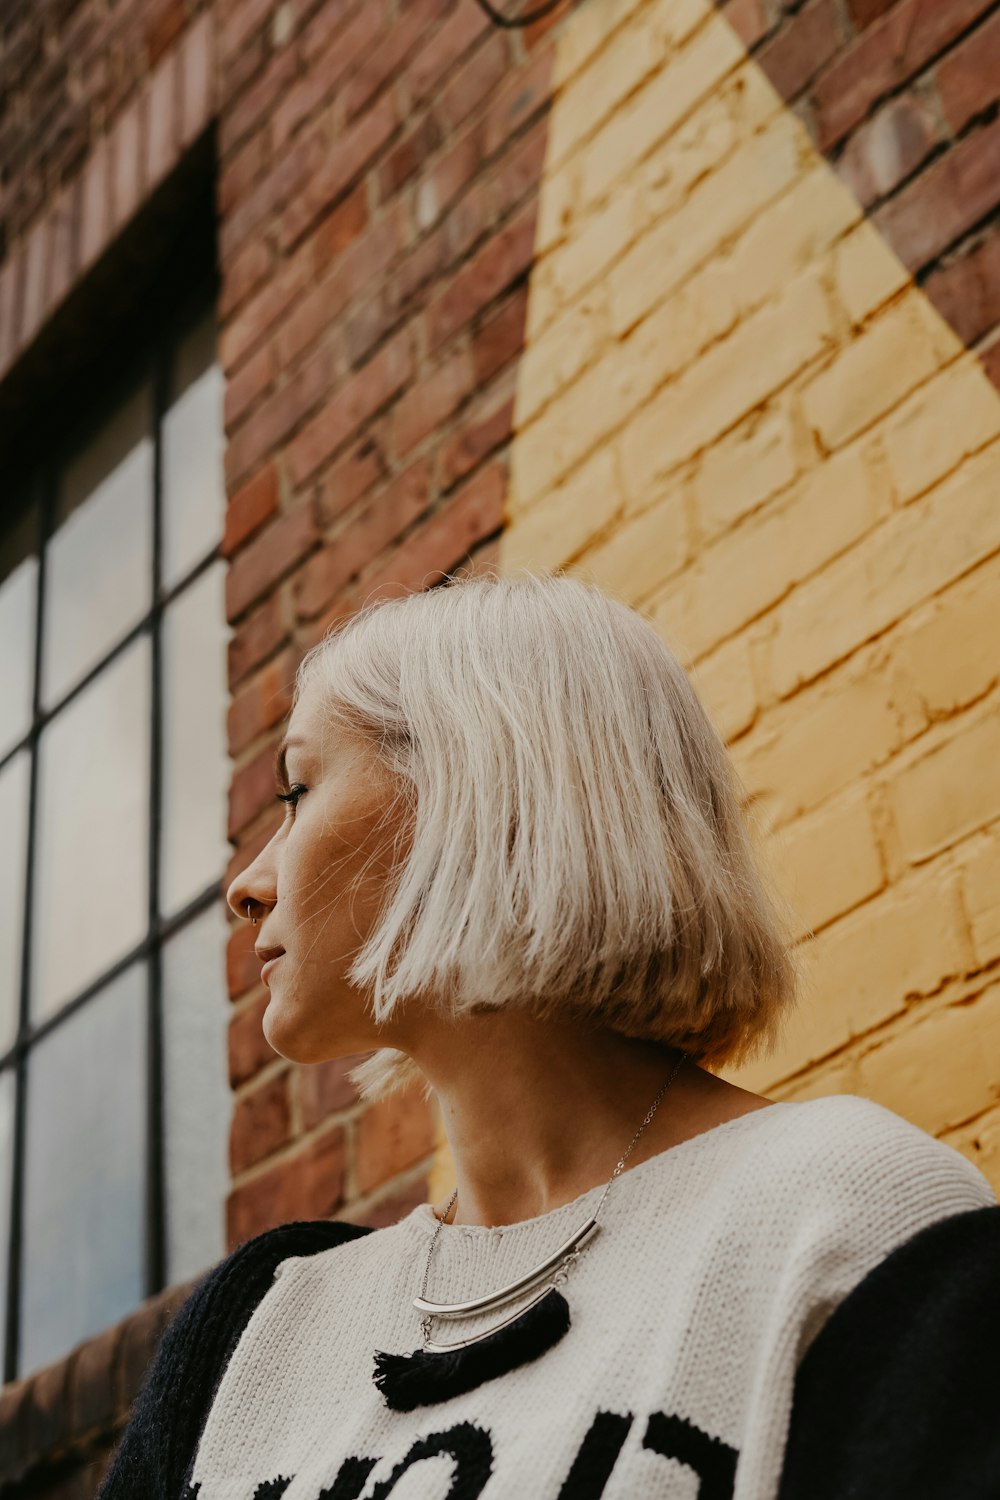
[596, 1457]
[712, 1460]
[468, 1445]
[350, 1479]
[272, 1489]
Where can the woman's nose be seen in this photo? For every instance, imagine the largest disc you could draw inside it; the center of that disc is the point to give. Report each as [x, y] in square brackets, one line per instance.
[247, 897]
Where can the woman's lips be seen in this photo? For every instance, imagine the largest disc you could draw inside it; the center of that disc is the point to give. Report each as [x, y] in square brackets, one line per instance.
[270, 965]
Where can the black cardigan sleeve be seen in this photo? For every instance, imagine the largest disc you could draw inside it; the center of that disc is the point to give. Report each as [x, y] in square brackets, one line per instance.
[898, 1396]
[155, 1452]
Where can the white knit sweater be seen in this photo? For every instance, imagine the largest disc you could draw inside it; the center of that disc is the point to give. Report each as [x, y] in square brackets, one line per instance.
[717, 1263]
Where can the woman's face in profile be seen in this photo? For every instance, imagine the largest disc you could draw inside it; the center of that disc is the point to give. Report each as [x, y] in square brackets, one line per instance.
[318, 886]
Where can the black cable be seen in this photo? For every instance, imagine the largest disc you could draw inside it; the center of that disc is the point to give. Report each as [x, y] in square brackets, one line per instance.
[499, 19]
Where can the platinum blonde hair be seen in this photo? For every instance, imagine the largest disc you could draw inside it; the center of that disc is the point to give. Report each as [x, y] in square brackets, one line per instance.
[578, 842]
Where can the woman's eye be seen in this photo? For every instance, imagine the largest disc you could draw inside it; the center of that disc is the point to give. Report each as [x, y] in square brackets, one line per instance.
[291, 797]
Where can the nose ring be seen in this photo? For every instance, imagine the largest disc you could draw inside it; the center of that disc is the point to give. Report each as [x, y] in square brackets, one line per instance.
[252, 919]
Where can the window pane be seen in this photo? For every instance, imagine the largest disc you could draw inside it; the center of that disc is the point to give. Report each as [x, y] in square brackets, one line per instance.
[14, 781]
[91, 899]
[82, 1266]
[6, 1158]
[194, 492]
[18, 584]
[196, 767]
[99, 562]
[197, 1098]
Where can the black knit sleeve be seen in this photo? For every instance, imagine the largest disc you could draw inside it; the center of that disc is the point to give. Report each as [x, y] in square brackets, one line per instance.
[154, 1455]
[897, 1396]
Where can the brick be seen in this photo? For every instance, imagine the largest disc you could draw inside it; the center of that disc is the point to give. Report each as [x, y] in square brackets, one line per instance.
[750, 568]
[898, 351]
[353, 476]
[471, 514]
[643, 551]
[441, 184]
[95, 204]
[824, 739]
[747, 19]
[526, 92]
[963, 1040]
[436, 61]
[720, 205]
[127, 164]
[915, 554]
[324, 1089]
[338, 169]
[948, 792]
[162, 121]
[482, 430]
[242, 963]
[272, 553]
[887, 149]
[294, 175]
[941, 204]
[384, 61]
[727, 687]
[389, 512]
[830, 861]
[261, 1123]
[758, 459]
[474, 81]
[307, 1185]
[505, 257]
[966, 292]
[806, 44]
[405, 159]
[864, 12]
[240, 23]
[499, 338]
[390, 1207]
[864, 968]
[241, 171]
[940, 425]
[944, 657]
[251, 112]
[866, 273]
[726, 383]
[251, 791]
[574, 513]
[980, 867]
[885, 56]
[968, 78]
[284, 410]
[327, 25]
[245, 273]
[327, 71]
[262, 702]
[37, 259]
[197, 70]
[392, 1135]
[354, 404]
[259, 634]
[92, 1390]
[429, 402]
[244, 389]
[249, 1049]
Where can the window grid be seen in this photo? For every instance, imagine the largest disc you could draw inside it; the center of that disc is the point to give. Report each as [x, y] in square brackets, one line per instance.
[156, 364]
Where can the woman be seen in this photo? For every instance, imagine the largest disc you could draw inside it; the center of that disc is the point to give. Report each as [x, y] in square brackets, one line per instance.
[514, 863]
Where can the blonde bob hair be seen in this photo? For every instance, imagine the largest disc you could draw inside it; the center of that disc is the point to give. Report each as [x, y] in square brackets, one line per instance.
[578, 843]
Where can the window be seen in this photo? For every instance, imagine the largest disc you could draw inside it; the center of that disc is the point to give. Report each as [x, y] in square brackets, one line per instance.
[114, 1096]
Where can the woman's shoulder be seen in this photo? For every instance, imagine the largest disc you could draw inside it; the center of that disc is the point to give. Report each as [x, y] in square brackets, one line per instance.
[156, 1448]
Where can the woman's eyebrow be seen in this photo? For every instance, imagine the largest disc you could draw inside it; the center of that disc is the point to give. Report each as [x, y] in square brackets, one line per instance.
[280, 768]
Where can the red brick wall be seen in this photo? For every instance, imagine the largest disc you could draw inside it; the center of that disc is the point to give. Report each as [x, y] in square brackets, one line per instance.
[903, 97]
[377, 172]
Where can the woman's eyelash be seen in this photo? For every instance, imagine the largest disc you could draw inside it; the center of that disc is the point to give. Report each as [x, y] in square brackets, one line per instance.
[292, 796]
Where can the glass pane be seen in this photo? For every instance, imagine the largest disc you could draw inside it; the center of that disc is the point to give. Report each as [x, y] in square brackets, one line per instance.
[14, 783]
[99, 560]
[85, 1169]
[18, 584]
[91, 897]
[6, 1161]
[196, 768]
[197, 1098]
[194, 491]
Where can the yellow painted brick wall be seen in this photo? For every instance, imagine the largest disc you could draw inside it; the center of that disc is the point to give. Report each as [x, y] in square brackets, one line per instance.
[738, 413]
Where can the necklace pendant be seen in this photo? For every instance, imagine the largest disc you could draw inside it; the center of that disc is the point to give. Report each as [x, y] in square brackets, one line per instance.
[440, 1371]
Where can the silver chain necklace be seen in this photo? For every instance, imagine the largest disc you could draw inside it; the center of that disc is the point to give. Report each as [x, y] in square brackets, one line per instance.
[438, 1371]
